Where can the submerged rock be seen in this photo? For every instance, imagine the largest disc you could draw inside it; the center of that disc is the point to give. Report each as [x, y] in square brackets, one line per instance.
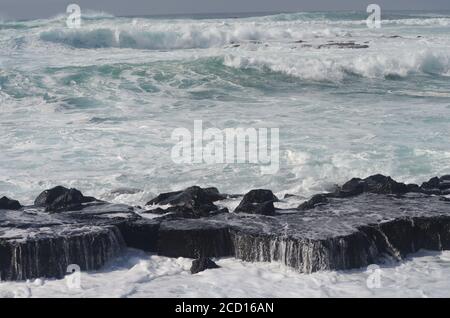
[258, 202]
[343, 45]
[202, 264]
[60, 199]
[9, 204]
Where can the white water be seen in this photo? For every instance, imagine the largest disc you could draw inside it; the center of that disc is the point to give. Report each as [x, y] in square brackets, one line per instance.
[138, 274]
[94, 108]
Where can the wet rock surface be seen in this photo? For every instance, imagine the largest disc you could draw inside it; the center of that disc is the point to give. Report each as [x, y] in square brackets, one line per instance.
[362, 222]
[202, 264]
[60, 199]
[258, 202]
[343, 45]
[9, 204]
[193, 202]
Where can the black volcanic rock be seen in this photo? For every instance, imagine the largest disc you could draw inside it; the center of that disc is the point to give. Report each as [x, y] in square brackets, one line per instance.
[194, 238]
[258, 202]
[141, 234]
[202, 264]
[60, 199]
[34, 243]
[9, 204]
[343, 45]
[374, 184]
[193, 202]
[384, 185]
[316, 200]
[437, 186]
[192, 196]
[353, 187]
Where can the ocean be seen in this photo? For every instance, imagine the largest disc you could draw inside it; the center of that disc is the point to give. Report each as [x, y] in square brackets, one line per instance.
[95, 107]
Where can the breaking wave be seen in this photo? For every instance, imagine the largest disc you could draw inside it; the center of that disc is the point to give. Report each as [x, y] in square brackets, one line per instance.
[183, 37]
[334, 69]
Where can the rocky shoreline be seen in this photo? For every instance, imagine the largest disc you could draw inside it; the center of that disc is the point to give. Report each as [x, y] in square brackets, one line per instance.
[360, 223]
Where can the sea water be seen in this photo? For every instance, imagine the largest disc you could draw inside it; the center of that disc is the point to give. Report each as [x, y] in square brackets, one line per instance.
[95, 107]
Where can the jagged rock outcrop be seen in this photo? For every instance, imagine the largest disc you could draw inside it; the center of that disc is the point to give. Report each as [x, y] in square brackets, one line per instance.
[60, 199]
[193, 202]
[257, 202]
[437, 186]
[378, 184]
[9, 204]
[202, 264]
[374, 184]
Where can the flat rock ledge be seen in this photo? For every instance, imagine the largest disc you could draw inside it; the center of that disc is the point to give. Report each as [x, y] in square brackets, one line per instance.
[360, 224]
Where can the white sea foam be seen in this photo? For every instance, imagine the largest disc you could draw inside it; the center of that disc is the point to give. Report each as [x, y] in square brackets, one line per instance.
[137, 274]
[370, 65]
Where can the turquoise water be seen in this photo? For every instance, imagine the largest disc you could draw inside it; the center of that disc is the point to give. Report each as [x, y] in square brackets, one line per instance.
[95, 107]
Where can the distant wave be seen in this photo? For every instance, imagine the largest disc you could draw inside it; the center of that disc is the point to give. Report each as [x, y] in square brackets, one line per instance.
[329, 69]
[183, 37]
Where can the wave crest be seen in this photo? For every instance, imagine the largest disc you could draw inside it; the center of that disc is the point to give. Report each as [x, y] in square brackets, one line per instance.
[335, 69]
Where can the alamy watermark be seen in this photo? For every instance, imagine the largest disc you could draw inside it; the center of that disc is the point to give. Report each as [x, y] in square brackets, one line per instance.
[231, 145]
[373, 281]
[73, 279]
[73, 20]
[374, 19]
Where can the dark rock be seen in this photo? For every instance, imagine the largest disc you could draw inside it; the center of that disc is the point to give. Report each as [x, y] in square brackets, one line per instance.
[202, 264]
[431, 191]
[194, 239]
[265, 208]
[34, 243]
[353, 187]
[316, 200]
[343, 45]
[433, 183]
[258, 202]
[384, 185]
[60, 199]
[192, 196]
[368, 228]
[259, 196]
[374, 184]
[141, 234]
[444, 185]
[193, 202]
[436, 186]
[9, 204]
[120, 191]
[413, 187]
